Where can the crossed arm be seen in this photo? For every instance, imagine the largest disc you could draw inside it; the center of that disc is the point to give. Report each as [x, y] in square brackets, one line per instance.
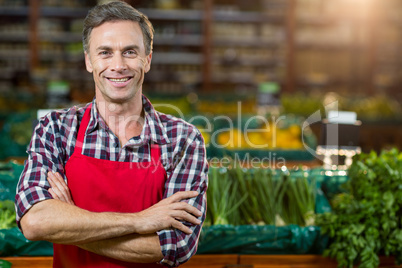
[129, 237]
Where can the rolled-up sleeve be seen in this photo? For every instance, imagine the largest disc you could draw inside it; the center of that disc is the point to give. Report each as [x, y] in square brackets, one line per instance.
[43, 156]
[189, 173]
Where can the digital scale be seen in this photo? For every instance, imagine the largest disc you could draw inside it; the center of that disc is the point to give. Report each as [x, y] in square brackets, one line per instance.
[339, 140]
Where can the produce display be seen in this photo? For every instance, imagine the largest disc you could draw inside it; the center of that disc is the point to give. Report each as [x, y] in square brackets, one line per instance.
[267, 137]
[279, 211]
[9, 174]
[366, 220]
[240, 196]
[12, 241]
[257, 136]
[263, 211]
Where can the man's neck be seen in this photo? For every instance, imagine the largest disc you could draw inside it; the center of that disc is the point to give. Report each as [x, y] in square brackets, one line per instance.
[125, 120]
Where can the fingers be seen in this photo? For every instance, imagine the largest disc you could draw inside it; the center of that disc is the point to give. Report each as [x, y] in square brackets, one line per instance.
[182, 195]
[184, 216]
[179, 196]
[59, 188]
[173, 202]
[182, 211]
[180, 226]
[187, 208]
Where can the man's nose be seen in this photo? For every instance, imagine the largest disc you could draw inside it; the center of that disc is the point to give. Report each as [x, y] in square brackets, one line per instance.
[118, 63]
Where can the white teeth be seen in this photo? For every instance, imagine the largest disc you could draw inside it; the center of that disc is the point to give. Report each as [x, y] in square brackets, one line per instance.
[118, 79]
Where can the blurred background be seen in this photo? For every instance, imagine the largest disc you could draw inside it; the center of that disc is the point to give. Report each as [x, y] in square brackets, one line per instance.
[211, 54]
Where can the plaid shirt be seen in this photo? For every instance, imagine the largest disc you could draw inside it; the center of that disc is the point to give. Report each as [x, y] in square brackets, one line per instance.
[182, 155]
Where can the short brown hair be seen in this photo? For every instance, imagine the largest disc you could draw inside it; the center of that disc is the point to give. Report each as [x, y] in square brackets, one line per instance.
[115, 11]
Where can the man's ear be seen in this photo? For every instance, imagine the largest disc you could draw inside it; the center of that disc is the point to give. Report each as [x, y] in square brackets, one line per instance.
[148, 63]
[88, 63]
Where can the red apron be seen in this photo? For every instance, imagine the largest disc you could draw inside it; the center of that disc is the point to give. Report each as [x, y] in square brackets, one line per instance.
[101, 185]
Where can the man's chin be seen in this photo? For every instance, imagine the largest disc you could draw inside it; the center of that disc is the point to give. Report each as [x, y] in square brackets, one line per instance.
[121, 99]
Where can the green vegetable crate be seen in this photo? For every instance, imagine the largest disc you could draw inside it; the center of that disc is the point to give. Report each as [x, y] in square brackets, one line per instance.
[352, 218]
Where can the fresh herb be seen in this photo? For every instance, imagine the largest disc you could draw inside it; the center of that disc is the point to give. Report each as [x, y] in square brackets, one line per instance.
[366, 221]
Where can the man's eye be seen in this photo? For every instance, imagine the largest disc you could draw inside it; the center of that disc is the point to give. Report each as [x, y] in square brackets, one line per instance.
[130, 52]
[103, 53]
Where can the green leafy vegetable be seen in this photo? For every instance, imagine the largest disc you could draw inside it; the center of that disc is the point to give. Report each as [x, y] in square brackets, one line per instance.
[241, 196]
[366, 221]
[7, 214]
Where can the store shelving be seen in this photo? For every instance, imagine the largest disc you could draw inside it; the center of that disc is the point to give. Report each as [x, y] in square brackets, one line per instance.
[218, 42]
[249, 44]
[14, 49]
[183, 39]
[386, 43]
[345, 42]
[179, 44]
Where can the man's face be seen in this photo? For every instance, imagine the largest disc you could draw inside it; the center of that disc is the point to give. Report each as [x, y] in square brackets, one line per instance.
[117, 60]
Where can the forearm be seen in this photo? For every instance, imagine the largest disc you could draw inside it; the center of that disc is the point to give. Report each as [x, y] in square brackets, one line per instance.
[58, 222]
[129, 248]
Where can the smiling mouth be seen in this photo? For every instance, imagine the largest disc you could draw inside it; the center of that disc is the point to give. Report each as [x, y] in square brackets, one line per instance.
[119, 80]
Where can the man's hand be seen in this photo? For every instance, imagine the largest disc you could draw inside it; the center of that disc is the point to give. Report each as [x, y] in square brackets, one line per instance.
[59, 190]
[167, 213]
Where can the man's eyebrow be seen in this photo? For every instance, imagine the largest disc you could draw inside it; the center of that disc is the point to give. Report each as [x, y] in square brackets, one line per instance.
[131, 47]
[103, 48]
[124, 48]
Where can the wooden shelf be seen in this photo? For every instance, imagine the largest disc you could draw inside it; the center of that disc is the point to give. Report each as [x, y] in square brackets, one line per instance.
[327, 47]
[250, 62]
[12, 54]
[179, 40]
[14, 37]
[242, 16]
[220, 16]
[65, 56]
[61, 37]
[249, 42]
[14, 11]
[179, 14]
[177, 58]
[32, 262]
[63, 12]
[224, 261]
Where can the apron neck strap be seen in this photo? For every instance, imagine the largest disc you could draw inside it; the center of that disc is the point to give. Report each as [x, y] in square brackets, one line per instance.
[81, 131]
[155, 153]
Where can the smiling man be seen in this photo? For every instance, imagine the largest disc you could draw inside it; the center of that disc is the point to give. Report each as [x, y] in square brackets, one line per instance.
[115, 183]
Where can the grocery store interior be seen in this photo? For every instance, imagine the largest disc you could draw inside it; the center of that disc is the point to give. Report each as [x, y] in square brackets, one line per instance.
[305, 94]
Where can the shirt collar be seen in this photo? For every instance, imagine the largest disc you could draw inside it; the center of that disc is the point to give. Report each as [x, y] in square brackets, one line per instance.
[153, 128]
[95, 120]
